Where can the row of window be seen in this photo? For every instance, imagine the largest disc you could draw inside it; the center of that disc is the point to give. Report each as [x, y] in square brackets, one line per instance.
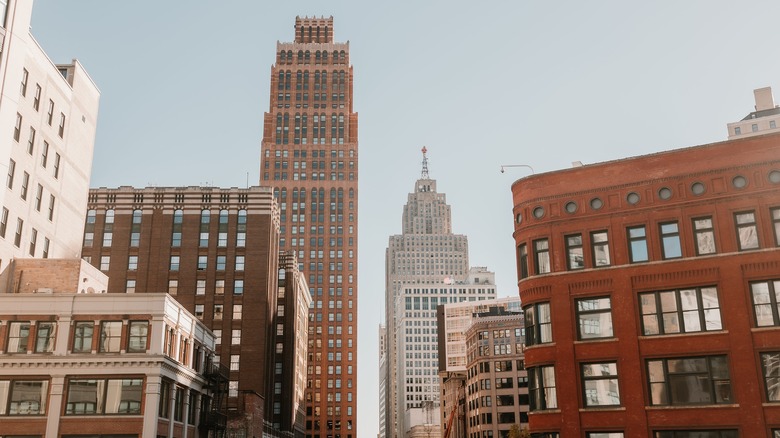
[320, 57]
[703, 235]
[32, 250]
[686, 310]
[36, 104]
[302, 153]
[39, 337]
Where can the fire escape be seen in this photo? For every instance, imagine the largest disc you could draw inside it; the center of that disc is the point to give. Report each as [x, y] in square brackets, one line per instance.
[214, 417]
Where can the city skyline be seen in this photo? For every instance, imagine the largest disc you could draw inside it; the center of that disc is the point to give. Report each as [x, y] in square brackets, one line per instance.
[626, 69]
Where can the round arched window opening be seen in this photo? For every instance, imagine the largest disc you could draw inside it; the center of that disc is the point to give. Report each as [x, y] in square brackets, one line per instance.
[633, 198]
[739, 182]
[698, 188]
[539, 212]
[570, 207]
[596, 203]
[774, 177]
[519, 218]
[665, 193]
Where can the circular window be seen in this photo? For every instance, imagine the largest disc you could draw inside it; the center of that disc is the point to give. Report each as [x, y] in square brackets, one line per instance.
[539, 212]
[665, 193]
[596, 203]
[774, 176]
[633, 198]
[518, 218]
[698, 188]
[739, 182]
[570, 207]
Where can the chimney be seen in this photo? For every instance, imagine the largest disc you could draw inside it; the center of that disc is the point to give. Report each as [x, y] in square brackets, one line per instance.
[764, 100]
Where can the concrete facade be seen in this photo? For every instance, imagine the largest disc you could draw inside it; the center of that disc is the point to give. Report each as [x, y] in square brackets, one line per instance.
[48, 114]
[310, 158]
[642, 276]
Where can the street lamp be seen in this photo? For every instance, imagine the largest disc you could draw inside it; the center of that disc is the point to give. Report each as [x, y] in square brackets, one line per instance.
[516, 165]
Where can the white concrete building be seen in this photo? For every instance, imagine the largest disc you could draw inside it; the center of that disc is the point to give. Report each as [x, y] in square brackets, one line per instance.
[765, 119]
[48, 116]
[426, 265]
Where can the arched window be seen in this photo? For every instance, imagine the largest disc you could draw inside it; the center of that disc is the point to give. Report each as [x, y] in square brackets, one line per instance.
[279, 128]
[306, 80]
[287, 79]
[324, 53]
[351, 193]
[306, 57]
[318, 54]
[300, 54]
[286, 129]
[280, 85]
[298, 79]
[335, 56]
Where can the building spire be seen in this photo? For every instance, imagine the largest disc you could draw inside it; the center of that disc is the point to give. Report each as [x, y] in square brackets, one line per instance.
[424, 174]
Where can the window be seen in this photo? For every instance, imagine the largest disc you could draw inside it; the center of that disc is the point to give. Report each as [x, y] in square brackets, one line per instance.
[174, 263]
[105, 263]
[9, 181]
[135, 228]
[542, 256]
[110, 336]
[82, 336]
[18, 127]
[594, 318]
[199, 311]
[241, 229]
[239, 263]
[754, 127]
[737, 130]
[44, 154]
[173, 287]
[44, 337]
[238, 287]
[766, 296]
[599, 242]
[37, 98]
[130, 287]
[772, 124]
[25, 78]
[178, 219]
[574, 252]
[27, 397]
[3, 222]
[600, 384]
[219, 287]
[50, 112]
[236, 337]
[132, 263]
[704, 234]
[237, 311]
[61, 128]
[138, 338]
[776, 224]
[637, 244]
[46, 243]
[218, 311]
[235, 360]
[38, 196]
[25, 183]
[200, 287]
[56, 165]
[202, 262]
[108, 229]
[205, 219]
[221, 260]
[33, 241]
[18, 337]
[670, 241]
[522, 260]
[223, 228]
[689, 381]
[18, 234]
[31, 141]
[104, 396]
[541, 388]
[770, 364]
[680, 311]
[604, 435]
[696, 434]
[538, 325]
[747, 231]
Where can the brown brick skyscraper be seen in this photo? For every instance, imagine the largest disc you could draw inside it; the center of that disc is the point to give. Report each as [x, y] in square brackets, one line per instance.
[310, 156]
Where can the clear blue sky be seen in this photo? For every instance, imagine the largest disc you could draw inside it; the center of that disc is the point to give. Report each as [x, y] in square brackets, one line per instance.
[185, 83]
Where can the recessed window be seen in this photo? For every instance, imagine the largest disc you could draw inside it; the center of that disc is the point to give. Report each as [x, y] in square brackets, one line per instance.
[600, 384]
[776, 224]
[574, 252]
[519, 217]
[594, 318]
[670, 241]
[18, 337]
[737, 130]
[538, 212]
[138, 336]
[633, 198]
[538, 324]
[82, 336]
[522, 260]
[739, 182]
[110, 336]
[637, 244]
[680, 311]
[541, 388]
[698, 188]
[174, 263]
[665, 193]
[570, 207]
[599, 241]
[754, 127]
[766, 296]
[100, 396]
[596, 203]
[704, 233]
[770, 365]
[747, 230]
[774, 176]
[689, 381]
[27, 397]
[772, 124]
[542, 256]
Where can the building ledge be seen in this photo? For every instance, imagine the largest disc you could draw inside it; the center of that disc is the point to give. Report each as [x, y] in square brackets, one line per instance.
[712, 406]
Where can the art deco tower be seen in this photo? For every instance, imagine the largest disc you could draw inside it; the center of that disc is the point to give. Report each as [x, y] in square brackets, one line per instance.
[310, 157]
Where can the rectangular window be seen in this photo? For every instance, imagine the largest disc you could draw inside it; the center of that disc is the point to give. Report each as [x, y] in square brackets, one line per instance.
[236, 337]
[542, 256]
[239, 263]
[696, 434]
[237, 311]
[100, 396]
[28, 397]
[600, 384]
[25, 76]
[522, 260]
[18, 234]
[3, 222]
[174, 263]
[56, 165]
[82, 336]
[205, 220]
[235, 360]
[138, 336]
[594, 318]
[31, 141]
[9, 181]
[132, 263]
[25, 184]
[604, 435]
[61, 128]
[105, 263]
[747, 232]
[44, 154]
[766, 296]
[200, 287]
[637, 244]
[238, 287]
[670, 241]
[704, 234]
[599, 241]
[110, 336]
[221, 260]
[50, 112]
[18, 127]
[680, 311]
[38, 196]
[541, 388]
[46, 244]
[18, 337]
[218, 311]
[173, 287]
[538, 324]
[33, 241]
[199, 311]
[44, 337]
[202, 262]
[37, 98]
[770, 365]
[575, 256]
[219, 287]
[108, 228]
[241, 229]
[689, 381]
[164, 410]
[135, 228]
[776, 224]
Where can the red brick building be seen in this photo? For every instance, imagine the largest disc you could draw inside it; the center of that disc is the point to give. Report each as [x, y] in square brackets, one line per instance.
[310, 158]
[650, 287]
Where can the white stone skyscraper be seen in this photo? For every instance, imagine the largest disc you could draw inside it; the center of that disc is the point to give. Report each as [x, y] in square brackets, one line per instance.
[426, 265]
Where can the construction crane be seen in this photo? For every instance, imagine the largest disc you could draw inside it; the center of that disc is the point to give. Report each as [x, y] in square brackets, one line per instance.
[453, 413]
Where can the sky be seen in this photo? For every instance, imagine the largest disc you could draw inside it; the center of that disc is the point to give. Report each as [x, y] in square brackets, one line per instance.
[184, 85]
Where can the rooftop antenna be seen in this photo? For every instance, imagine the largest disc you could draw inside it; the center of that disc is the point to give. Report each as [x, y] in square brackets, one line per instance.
[424, 164]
